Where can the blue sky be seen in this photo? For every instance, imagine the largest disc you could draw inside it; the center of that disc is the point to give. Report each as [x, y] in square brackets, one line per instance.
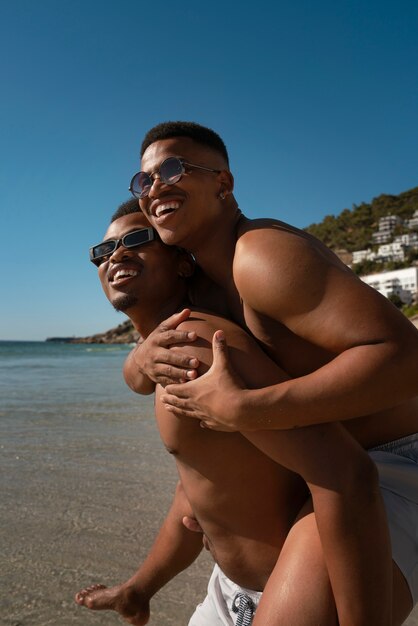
[316, 101]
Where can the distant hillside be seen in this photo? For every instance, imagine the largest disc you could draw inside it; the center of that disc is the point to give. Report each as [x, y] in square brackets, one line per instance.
[124, 333]
[352, 229]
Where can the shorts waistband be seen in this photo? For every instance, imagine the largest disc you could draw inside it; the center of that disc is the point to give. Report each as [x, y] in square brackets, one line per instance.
[405, 446]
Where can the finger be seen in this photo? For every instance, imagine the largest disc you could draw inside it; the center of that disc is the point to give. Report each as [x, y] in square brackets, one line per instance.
[181, 407]
[172, 375]
[174, 320]
[168, 337]
[192, 524]
[173, 400]
[168, 328]
[208, 425]
[220, 349]
[175, 392]
[181, 412]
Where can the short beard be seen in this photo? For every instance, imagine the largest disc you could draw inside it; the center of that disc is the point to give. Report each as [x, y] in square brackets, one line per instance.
[124, 302]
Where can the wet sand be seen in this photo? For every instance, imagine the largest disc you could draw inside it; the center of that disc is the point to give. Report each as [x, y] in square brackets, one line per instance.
[81, 504]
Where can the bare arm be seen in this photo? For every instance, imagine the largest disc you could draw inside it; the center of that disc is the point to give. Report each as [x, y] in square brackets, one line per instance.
[174, 549]
[370, 348]
[373, 348]
[152, 361]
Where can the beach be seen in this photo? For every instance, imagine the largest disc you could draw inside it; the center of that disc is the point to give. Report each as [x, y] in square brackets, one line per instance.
[85, 485]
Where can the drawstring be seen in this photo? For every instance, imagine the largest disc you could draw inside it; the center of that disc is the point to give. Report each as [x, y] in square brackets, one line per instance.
[245, 607]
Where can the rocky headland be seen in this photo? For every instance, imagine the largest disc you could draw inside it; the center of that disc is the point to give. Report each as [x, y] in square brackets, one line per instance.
[123, 333]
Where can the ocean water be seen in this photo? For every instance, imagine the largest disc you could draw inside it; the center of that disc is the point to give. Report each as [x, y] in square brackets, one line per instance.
[85, 483]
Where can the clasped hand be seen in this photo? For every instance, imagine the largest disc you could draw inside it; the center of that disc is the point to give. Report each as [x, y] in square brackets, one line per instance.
[157, 358]
[214, 398]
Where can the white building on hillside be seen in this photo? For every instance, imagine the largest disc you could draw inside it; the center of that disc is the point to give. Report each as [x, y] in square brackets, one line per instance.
[408, 239]
[403, 283]
[394, 251]
[387, 225]
[363, 255]
[413, 222]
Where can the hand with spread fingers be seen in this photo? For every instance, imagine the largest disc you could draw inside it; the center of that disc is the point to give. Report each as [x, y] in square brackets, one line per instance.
[155, 359]
[213, 397]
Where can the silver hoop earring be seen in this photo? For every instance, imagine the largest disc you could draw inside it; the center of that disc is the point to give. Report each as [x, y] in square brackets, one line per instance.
[222, 196]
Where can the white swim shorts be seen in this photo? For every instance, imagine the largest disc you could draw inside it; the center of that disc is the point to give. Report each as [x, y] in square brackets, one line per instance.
[226, 604]
[397, 464]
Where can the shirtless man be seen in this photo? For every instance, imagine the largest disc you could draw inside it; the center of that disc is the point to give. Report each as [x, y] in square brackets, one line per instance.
[244, 501]
[224, 498]
[349, 352]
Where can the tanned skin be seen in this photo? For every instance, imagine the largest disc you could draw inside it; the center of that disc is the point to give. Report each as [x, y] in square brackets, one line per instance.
[243, 501]
[224, 480]
[351, 356]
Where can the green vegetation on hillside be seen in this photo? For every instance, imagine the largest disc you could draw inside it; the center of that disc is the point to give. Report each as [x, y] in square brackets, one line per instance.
[352, 229]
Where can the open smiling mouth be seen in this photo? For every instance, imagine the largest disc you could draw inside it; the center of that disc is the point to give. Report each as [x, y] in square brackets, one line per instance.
[166, 208]
[122, 275]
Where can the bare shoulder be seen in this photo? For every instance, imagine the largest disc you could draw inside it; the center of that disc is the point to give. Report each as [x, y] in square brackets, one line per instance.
[291, 277]
[246, 356]
[279, 265]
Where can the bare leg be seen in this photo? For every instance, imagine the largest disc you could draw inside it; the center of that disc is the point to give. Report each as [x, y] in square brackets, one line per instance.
[349, 513]
[299, 593]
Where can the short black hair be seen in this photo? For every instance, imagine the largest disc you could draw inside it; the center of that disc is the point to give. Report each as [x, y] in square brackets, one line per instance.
[126, 208]
[199, 134]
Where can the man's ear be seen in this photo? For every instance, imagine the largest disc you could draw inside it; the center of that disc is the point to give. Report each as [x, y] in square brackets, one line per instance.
[226, 181]
[186, 265]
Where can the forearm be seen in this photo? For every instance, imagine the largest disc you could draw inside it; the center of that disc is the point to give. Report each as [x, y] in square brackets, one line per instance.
[135, 378]
[360, 381]
[174, 549]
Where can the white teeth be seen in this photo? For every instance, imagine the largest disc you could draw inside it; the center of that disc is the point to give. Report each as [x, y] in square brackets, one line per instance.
[168, 206]
[124, 274]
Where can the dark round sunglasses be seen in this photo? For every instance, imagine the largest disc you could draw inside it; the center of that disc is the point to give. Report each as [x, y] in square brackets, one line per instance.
[136, 238]
[170, 172]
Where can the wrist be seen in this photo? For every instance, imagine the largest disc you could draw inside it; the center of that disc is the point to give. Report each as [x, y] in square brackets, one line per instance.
[134, 376]
[259, 410]
[137, 357]
[242, 410]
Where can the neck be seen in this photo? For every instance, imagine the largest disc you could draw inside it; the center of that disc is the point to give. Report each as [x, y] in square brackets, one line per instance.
[215, 252]
[146, 318]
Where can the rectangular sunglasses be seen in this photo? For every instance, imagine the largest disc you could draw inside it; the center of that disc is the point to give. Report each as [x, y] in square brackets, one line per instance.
[131, 240]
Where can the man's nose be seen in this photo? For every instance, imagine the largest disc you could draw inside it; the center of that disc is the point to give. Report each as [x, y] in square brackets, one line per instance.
[156, 182]
[121, 253]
